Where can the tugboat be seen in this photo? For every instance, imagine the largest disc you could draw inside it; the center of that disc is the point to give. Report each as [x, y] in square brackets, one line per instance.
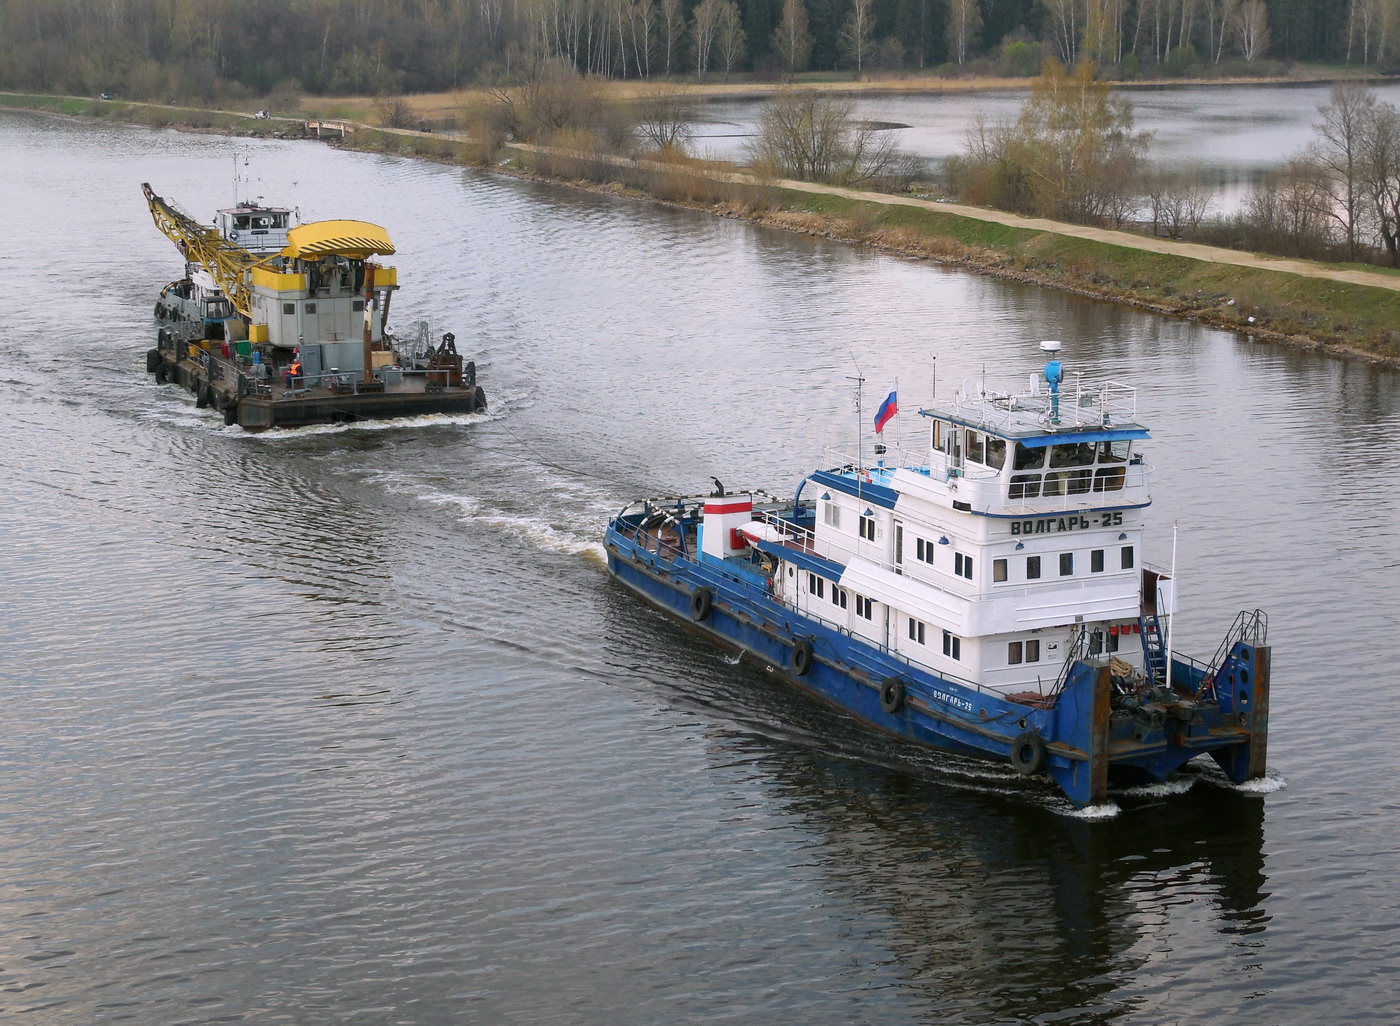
[985, 596]
[282, 325]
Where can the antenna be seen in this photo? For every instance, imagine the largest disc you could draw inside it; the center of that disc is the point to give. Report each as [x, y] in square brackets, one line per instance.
[859, 379]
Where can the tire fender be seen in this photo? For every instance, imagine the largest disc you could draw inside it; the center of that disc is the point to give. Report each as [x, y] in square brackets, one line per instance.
[1028, 753]
[801, 657]
[701, 600]
[892, 695]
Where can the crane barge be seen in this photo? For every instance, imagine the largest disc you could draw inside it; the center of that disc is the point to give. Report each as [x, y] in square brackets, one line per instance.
[276, 324]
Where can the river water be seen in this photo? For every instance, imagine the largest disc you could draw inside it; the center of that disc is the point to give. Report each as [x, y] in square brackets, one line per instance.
[350, 726]
[1230, 135]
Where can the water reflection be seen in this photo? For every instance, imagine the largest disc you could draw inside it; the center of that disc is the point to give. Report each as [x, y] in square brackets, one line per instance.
[1000, 911]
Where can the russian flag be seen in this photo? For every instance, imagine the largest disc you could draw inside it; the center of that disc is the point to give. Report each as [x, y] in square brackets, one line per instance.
[888, 409]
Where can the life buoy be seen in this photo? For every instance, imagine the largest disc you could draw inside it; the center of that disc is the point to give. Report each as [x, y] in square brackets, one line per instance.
[802, 657]
[892, 695]
[1028, 753]
[700, 601]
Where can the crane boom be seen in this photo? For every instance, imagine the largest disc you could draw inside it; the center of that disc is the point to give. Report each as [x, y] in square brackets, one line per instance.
[227, 262]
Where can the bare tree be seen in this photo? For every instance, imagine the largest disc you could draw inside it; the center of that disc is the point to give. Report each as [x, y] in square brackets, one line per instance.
[817, 138]
[964, 19]
[672, 31]
[1380, 157]
[1177, 201]
[791, 41]
[1251, 27]
[704, 25]
[664, 116]
[1342, 127]
[857, 34]
[1064, 26]
[729, 36]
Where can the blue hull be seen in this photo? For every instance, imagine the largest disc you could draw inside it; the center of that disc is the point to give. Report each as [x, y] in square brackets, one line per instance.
[1079, 739]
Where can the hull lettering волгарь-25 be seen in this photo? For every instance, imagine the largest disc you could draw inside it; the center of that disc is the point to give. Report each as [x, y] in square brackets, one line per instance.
[983, 596]
[276, 325]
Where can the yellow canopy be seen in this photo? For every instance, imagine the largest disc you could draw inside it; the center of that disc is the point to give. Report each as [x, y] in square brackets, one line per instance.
[355, 239]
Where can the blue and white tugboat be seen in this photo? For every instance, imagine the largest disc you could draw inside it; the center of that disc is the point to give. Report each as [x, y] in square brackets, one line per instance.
[985, 596]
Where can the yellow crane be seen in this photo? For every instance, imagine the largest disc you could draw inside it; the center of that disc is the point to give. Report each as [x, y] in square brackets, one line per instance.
[227, 262]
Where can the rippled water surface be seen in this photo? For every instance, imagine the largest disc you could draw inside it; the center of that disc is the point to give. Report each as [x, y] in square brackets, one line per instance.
[350, 726]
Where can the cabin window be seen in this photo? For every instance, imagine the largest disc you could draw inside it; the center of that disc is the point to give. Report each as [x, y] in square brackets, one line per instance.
[867, 528]
[816, 585]
[1114, 452]
[923, 550]
[916, 630]
[1066, 564]
[310, 308]
[1112, 643]
[1032, 567]
[838, 596]
[1013, 653]
[1109, 479]
[1025, 486]
[962, 565]
[831, 514]
[1028, 457]
[1033, 651]
[974, 446]
[358, 306]
[952, 646]
[289, 309]
[996, 452]
[865, 608]
[1095, 642]
[1096, 561]
[998, 570]
[1126, 557]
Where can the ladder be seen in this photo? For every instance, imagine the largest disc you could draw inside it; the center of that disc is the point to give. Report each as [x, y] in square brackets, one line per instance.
[1154, 649]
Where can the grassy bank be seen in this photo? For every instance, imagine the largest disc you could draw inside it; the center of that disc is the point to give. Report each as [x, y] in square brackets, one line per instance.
[1269, 303]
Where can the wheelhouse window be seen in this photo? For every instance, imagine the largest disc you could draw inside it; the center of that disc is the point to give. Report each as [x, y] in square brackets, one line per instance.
[1125, 558]
[1066, 564]
[867, 528]
[1014, 653]
[1096, 561]
[831, 514]
[952, 645]
[916, 630]
[1032, 568]
[962, 565]
[998, 570]
[1033, 650]
[865, 608]
[996, 452]
[975, 452]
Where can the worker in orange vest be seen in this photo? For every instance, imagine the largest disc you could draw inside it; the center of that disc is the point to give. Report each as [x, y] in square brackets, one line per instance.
[294, 372]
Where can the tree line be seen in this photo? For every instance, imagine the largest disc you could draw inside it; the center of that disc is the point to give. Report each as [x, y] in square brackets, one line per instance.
[214, 49]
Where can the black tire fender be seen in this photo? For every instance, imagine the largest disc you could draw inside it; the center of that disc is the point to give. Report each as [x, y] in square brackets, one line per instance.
[701, 600]
[202, 396]
[892, 695]
[162, 373]
[231, 414]
[801, 657]
[1028, 753]
[152, 360]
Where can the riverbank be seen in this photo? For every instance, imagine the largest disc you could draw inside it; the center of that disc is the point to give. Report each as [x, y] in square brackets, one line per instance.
[1345, 309]
[1350, 310]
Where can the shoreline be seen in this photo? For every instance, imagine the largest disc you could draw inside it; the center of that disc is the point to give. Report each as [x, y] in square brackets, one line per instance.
[1347, 312]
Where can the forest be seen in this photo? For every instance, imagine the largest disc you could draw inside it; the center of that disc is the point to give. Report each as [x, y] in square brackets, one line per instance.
[184, 50]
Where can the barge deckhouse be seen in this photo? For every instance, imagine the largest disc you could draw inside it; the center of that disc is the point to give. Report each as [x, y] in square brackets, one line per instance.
[985, 596]
[279, 325]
